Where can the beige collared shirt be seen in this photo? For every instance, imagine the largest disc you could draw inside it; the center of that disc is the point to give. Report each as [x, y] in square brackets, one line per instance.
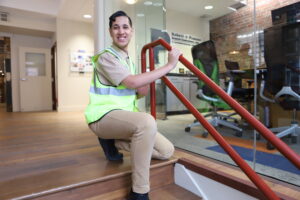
[110, 70]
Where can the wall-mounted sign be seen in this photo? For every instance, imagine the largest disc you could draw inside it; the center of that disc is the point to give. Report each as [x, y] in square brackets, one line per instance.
[80, 61]
[184, 39]
[155, 35]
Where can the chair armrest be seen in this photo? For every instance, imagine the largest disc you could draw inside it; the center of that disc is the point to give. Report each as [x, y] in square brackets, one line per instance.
[230, 88]
[202, 95]
[205, 97]
[237, 71]
[261, 92]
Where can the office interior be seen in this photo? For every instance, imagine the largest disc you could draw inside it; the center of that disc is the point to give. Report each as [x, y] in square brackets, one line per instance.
[254, 42]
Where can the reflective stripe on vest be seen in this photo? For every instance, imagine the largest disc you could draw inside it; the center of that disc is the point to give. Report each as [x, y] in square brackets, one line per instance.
[112, 91]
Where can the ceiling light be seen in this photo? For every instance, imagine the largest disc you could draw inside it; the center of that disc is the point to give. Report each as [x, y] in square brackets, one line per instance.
[29, 63]
[148, 3]
[208, 7]
[157, 4]
[234, 52]
[130, 1]
[140, 15]
[87, 16]
[231, 8]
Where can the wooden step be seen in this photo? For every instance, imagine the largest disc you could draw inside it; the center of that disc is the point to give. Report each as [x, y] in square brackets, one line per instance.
[112, 186]
[55, 156]
[172, 192]
[45, 155]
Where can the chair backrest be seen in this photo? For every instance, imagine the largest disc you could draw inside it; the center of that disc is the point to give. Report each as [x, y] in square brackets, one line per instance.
[205, 58]
[231, 65]
[282, 57]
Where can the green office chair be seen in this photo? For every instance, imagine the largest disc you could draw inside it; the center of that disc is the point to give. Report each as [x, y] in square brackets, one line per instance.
[205, 59]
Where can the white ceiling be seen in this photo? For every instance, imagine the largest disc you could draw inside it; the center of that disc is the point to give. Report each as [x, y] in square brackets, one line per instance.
[74, 9]
[196, 7]
[48, 7]
[67, 9]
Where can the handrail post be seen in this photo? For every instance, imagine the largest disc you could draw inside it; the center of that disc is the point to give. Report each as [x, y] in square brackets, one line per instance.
[152, 85]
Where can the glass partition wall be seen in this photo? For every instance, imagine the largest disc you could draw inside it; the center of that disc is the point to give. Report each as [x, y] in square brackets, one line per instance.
[149, 26]
[261, 37]
[253, 44]
[239, 38]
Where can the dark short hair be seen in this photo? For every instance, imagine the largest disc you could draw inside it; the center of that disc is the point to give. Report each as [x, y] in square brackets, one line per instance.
[119, 13]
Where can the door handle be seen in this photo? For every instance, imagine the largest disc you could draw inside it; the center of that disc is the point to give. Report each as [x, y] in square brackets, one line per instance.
[23, 79]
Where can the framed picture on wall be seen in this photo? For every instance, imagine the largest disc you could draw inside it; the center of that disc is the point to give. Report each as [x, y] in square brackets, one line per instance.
[80, 61]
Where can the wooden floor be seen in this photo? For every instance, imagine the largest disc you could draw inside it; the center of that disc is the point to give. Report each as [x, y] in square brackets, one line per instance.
[42, 152]
[52, 151]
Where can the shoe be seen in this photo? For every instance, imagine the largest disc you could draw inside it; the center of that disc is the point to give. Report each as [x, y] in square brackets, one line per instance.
[110, 151]
[137, 196]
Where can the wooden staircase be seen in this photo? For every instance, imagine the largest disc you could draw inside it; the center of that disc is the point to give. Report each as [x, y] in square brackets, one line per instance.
[114, 186]
[55, 156]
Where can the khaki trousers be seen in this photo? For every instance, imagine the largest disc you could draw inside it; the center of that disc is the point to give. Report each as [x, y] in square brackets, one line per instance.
[135, 132]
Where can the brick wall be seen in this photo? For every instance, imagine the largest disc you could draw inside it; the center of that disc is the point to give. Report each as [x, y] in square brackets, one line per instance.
[231, 33]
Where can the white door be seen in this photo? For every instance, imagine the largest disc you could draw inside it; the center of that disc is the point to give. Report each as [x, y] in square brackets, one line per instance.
[35, 79]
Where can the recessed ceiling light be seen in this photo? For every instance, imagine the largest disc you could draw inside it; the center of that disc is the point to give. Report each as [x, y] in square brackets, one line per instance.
[131, 1]
[87, 16]
[148, 3]
[231, 8]
[234, 52]
[140, 15]
[208, 7]
[157, 4]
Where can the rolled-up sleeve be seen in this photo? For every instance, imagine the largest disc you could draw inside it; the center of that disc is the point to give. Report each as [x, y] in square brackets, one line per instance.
[112, 69]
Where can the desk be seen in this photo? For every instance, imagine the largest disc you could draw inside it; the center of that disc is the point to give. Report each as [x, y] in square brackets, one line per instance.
[245, 73]
[184, 83]
[271, 114]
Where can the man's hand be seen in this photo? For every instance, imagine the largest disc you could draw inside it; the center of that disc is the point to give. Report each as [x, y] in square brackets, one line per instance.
[142, 91]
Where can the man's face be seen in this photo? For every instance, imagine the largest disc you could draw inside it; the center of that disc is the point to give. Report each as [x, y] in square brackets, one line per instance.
[121, 32]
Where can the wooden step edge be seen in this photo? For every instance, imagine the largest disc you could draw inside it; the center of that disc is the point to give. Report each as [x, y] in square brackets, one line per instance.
[171, 161]
[244, 186]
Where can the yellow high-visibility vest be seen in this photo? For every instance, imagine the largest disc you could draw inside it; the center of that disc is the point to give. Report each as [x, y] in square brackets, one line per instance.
[104, 98]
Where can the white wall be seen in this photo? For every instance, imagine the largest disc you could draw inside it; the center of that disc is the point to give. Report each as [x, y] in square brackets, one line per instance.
[28, 20]
[16, 42]
[49, 7]
[73, 36]
[186, 24]
[72, 87]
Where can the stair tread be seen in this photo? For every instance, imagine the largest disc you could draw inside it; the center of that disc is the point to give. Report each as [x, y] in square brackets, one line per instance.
[45, 151]
[65, 177]
[167, 192]
[172, 192]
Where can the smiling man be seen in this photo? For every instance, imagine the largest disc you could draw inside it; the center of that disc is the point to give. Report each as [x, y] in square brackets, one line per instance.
[112, 113]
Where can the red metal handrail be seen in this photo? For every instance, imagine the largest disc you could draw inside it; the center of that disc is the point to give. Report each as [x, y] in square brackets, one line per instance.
[281, 146]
